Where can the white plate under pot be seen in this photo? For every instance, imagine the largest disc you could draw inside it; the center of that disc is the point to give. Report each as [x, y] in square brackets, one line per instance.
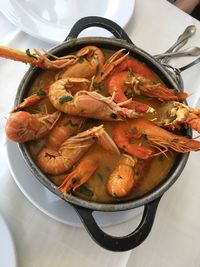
[51, 204]
[51, 20]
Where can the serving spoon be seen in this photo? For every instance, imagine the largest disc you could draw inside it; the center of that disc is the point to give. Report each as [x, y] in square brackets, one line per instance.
[190, 51]
[180, 42]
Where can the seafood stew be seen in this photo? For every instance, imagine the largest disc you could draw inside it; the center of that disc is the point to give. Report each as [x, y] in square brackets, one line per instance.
[102, 125]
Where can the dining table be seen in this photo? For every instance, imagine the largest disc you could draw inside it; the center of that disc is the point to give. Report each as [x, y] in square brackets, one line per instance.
[43, 238]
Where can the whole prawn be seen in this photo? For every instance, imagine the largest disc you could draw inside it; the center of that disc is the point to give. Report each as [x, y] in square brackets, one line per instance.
[58, 161]
[126, 176]
[128, 131]
[37, 59]
[122, 179]
[117, 88]
[23, 126]
[139, 81]
[81, 173]
[90, 61]
[86, 103]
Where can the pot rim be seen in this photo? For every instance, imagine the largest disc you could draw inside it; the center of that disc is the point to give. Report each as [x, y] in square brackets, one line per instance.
[74, 45]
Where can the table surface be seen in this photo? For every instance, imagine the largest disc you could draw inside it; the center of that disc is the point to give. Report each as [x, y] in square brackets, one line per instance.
[175, 236]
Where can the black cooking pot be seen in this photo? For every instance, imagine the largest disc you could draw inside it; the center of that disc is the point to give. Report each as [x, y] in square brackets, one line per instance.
[85, 208]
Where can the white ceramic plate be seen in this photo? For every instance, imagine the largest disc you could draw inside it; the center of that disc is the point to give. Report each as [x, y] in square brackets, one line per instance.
[49, 203]
[51, 20]
[7, 248]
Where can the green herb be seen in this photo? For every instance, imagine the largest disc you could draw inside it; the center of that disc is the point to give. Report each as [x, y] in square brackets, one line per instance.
[85, 191]
[65, 98]
[129, 95]
[96, 85]
[130, 73]
[40, 92]
[29, 54]
[161, 158]
[69, 122]
[81, 60]
[99, 87]
[174, 140]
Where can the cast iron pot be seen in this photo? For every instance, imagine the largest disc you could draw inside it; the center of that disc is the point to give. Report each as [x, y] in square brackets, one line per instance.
[85, 208]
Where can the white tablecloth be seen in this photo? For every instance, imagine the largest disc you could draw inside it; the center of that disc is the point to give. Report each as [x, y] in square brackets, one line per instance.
[42, 241]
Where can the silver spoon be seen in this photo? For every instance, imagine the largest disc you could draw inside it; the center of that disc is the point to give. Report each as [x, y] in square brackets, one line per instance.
[181, 41]
[190, 51]
[176, 72]
[183, 38]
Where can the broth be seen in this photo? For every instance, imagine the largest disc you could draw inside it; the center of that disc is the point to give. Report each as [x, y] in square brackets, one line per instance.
[95, 188]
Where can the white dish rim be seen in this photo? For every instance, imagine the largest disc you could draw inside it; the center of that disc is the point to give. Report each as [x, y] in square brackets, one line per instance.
[13, 14]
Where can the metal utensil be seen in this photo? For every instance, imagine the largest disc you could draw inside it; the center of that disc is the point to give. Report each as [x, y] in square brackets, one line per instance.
[188, 32]
[176, 72]
[180, 42]
[166, 59]
[190, 51]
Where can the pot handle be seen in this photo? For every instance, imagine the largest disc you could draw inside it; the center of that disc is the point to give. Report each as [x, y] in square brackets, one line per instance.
[123, 243]
[94, 21]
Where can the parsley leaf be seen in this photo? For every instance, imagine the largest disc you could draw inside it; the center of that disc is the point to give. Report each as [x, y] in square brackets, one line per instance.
[40, 92]
[65, 98]
[69, 122]
[85, 191]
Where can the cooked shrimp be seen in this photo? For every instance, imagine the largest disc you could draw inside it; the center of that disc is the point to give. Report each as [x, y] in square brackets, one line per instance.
[123, 138]
[84, 103]
[82, 172]
[55, 162]
[37, 59]
[117, 88]
[65, 127]
[134, 66]
[22, 126]
[126, 132]
[91, 60]
[121, 181]
[127, 80]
